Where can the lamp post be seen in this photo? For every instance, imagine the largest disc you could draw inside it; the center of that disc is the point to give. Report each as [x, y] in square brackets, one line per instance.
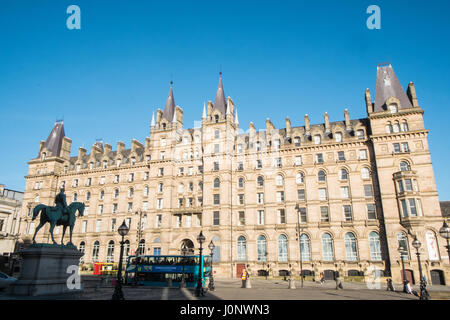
[198, 289]
[444, 231]
[138, 236]
[299, 231]
[402, 251]
[211, 286]
[183, 252]
[423, 290]
[118, 294]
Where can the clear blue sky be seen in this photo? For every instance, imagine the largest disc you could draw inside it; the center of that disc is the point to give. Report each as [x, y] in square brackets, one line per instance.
[279, 59]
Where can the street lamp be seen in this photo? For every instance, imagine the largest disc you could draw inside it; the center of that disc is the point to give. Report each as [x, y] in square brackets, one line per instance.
[444, 231]
[183, 252]
[402, 251]
[118, 294]
[198, 289]
[211, 287]
[423, 291]
[299, 231]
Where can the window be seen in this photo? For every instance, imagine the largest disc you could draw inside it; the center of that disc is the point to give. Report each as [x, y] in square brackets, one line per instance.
[130, 207]
[322, 194]
[75, 197]
[119, 162]
[216, 183]
[321, 176]
[89, 182]
[396, 147]
[112, 227]
[279, 180]
[178, 220]
[258, 146]
[404, 166]
[242, 249]
[365, 173]
[216, 148]
[114, 207]
[141, 247]
[324, 217]
[216, 218]
[158, 221]
[239, 148]
[102, 180]
[297, 141]
[160, 187]
[116, 179]
[260, 181]
[241, 199]
[405, 147]
[403, 242]
[279, 162]
[396, 127]
[144, 205]
[301, 194]
[374, 246]
[105, 163]
[363, 154]
[130, 192]
[299, 178]
[280, 196]
[242, 218]
[281, 216]
[240, 166]
[298, 160]
[163, 142]
[258, 164]
[341, 156]
[368, 192]
[393, 108]
[350, 247]
[261, 244]
[371, 213]
[102, 194]
[260, 217]
[343, 174]
[216, 166]
[95, 250]
[360, 134]
[216, 198]
[75, 183]
[408, 185]
[319, 158]
[404, 126]
[282, 248]
[327, 247]
[188, 220]
[180, 188]
[302, 215]
[180, 202]
[146, 191]
[241, 183]
[412, 207]
[216, 118]
[260, 198]
[190, 171]
[344, 192]
[347, 213]
[146, 175]
[98, 226]
[86, 211]
[317, 139]
[84, 226]
[305, 247]
[100, 209]
[338, 137]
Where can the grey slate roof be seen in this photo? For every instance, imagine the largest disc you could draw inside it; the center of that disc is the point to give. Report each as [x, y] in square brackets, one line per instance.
[54, 140]
[219, 101]
[445, 208]
[170, 106]
[389, 86]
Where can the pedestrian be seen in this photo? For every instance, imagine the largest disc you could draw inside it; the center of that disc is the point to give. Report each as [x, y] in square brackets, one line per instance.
[408, 287]
[244, 278]
[425, 280]
[322, 278]
[338, 282]
[390, 287]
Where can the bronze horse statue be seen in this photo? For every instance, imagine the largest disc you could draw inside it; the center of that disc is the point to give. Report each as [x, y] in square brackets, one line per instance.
[55, 217]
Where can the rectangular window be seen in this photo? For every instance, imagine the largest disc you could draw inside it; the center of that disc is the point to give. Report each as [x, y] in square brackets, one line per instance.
[319, 158]
[188, 220]
[114, 207]
[198, 220]
[260, 198]
[404, 208]
[128, 222]
[258, 164]
[216, 148]
[160, 172]
[100, 209]
[298, 160]
[116, 179]
[86, 211]
[400, 186]
[216, 198]
[156, 251]
[260, 217]
[113, 225]
[396, 147]
[242, 218]
[363, 154]
[405, 147]
[239, 148]
[412, 207]
[301, 194]
[190, 171]
[281, 215]
[322, 194]
[158, 221]
[371, 213]
[131, 177]
[146, 175]
[240, 166]
[324, 217]
[280, 196]
[347, 213]
[84, 226]
[159, 203]
[241, 199]
[341, 155]
[130, 206]
[408, 185]
[344, 192]
[216, 218]
[279, 163]
[368, 192]
[89, 182]
[144, 206]
[98, 226]
[216, 166]
[162, 155]
[303, 217]
[178, 220]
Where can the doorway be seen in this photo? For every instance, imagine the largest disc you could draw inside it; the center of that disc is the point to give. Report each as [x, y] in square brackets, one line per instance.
[437, 277]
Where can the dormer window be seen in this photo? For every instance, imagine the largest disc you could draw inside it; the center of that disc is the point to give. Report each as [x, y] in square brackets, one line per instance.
[317, 139]
[393, 108]
[133, 161]
[91, 165]
[119, 162]
[216, 118]
[44, 155]
[164, 126]
[338, 137]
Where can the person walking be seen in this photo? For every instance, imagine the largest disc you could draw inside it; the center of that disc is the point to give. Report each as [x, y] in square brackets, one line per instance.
[338, 282]
[322, 278]
[390, 287]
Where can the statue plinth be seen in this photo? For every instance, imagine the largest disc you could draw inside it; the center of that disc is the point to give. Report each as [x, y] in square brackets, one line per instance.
[48, 269]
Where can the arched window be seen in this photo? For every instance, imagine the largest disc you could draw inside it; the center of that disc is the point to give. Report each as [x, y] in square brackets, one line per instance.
[389, 127]
[321, 176]
[360, 134]
[261, 244]
[110, 252]
[130, 192]
[396, 127]
[403, 242]
[297, 141]
[327, 247]
[404, 166]
[305, 247]
[116, 193]
[260, 181]
[75, 197]
[241, 183]
[180, 188]
[404, 126]
[216, 183]
[338, 137]
[343, 174]
[365, 173]
[141, 248]
[317, 139]
[242, 249]
[350, 247]
[374, 246]
[88, 196]
[200, 186]
[393, 108]
[95, 251]
[216, 118]
[299, 178]
[164, 126]
[102, 194]
[282, 248]
[279, 180]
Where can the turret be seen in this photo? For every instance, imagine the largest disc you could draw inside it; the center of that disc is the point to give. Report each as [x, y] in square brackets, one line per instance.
[411, 92]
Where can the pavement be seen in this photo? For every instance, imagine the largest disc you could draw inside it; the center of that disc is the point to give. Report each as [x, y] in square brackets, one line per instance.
[230, 289]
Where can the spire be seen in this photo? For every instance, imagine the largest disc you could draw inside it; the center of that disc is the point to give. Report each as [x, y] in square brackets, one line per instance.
[54, 140]
[169, 110]
[389, 86]
[153, 119]
[219, 102]
[204, 111]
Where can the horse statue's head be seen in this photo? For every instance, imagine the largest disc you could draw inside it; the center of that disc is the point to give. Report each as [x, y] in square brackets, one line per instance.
[74, 206]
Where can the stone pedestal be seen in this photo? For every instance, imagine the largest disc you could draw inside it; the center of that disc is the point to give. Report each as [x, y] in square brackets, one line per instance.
[48, 269]
[291, 283]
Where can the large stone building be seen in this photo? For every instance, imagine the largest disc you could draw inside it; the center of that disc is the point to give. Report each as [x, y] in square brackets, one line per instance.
[355, 189]
[10, 208]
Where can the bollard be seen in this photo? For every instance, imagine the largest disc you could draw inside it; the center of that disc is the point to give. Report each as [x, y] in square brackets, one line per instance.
[291, 284]
[248, 285]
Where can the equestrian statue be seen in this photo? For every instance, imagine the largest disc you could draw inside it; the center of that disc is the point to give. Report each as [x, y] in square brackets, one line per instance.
[59, 215]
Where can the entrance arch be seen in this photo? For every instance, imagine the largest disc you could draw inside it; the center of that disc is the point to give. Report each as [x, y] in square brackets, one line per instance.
[189, 245]
[437, 277]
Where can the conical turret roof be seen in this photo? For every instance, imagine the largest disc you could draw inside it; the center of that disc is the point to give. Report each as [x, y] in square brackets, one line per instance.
[54, 140]
[169, 109]
[219, 101]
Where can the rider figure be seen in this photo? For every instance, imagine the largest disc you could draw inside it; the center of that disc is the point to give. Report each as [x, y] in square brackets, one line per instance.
[60, 201]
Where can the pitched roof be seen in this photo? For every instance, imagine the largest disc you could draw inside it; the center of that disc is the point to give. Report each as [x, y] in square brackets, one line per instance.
[389, 86]
[219, 101]
[54, 140]
[169, 110]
